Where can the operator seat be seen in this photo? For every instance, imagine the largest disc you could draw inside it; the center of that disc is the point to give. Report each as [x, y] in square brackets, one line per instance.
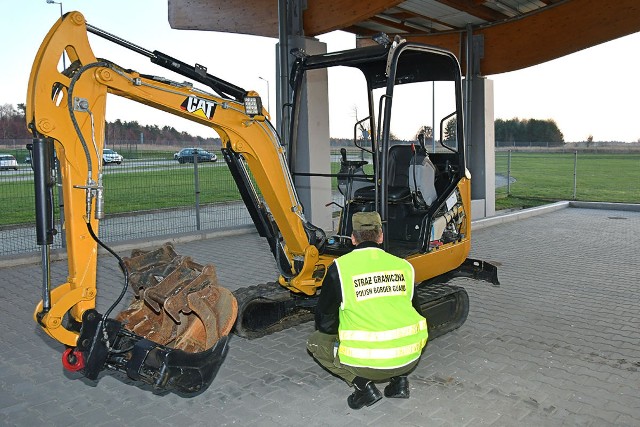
[422, 180]
[405, 178]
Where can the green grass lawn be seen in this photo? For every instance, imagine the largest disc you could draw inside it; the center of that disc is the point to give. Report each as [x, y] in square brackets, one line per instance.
[600, 177]
[539, 178]
[17, 201]
[133, 191]
[139, 191]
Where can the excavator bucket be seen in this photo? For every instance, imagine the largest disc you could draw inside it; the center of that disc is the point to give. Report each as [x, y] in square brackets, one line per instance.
[174, 333]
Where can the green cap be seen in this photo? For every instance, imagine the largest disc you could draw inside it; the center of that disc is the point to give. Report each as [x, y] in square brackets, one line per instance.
[363, 221]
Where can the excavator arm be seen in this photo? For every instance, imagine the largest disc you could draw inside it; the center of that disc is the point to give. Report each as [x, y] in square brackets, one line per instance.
[66, 110]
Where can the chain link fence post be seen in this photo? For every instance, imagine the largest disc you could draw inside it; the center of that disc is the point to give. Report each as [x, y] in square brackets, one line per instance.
[196, 181]
[509, 173]
[575, 173]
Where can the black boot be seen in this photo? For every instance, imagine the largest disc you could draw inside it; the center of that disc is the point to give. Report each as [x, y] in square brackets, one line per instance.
[365, 394]
[398, 387]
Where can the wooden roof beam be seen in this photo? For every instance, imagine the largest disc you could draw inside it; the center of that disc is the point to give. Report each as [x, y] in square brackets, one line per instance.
[428, 18]
[395, 24]
[550, 33]
[323, 16]
[401, 22]
[260, 17]
[472, 7]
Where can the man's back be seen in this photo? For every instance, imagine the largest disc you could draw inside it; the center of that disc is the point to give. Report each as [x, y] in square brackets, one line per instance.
[378, 327]
[367, 327]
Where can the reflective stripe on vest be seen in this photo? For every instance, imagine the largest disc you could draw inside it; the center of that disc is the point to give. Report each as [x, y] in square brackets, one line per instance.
[382, 353]
[383, 335]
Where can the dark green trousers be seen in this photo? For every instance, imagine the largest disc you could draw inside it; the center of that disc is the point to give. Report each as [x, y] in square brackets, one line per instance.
[321, 346]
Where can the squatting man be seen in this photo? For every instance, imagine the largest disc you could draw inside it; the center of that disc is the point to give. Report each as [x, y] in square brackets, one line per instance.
[367, 329]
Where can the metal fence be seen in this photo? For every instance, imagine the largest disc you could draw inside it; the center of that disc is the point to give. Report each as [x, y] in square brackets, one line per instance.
[143, 198]
[571, 175]
[154, 197]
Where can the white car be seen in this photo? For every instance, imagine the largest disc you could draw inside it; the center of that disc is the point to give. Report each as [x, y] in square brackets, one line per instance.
[7, 161]
[110, 156]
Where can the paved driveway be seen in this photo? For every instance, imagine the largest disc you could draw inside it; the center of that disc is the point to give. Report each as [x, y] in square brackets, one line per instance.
[556, 344]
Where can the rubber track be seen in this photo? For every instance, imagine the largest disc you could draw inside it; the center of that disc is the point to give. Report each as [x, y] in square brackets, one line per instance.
[272, 292]
[431, 297]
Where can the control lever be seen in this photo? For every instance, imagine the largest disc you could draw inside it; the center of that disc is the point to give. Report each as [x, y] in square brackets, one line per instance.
[351, 163]
[421, 140]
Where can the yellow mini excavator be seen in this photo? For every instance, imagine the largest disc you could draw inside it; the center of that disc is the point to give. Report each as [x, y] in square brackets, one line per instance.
[174, 335]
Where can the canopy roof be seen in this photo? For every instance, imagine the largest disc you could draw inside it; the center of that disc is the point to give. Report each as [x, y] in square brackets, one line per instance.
[515, 33]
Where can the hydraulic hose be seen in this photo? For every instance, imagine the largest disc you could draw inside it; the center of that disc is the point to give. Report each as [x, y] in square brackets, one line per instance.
[122, 265]
[70, 107]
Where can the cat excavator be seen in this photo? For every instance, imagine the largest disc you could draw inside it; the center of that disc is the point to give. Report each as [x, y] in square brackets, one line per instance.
[174, 335]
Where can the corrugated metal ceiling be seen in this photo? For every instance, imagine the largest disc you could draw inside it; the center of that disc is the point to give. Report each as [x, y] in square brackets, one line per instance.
[433, 16]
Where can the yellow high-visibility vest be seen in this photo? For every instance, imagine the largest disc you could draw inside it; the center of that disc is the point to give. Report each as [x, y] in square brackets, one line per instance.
[379, 328]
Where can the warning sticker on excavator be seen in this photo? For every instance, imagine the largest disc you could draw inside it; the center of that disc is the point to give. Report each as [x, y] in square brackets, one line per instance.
[198, 106]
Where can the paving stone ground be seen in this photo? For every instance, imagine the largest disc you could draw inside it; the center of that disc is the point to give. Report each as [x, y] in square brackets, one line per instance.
[556, 345]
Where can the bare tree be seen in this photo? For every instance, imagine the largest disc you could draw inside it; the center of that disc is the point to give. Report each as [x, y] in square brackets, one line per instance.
[427, 131]
[7, 112]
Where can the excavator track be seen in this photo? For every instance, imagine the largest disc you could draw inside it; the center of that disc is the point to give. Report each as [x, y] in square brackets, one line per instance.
[267, 308]
[444, 306]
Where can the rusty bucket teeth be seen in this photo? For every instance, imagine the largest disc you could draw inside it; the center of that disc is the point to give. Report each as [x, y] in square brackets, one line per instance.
[177, 302]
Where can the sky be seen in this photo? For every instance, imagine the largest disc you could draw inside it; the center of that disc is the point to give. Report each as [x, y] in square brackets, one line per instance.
[591, 92]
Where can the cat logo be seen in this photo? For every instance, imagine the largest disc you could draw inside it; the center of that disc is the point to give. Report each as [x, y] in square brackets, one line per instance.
[199, 107]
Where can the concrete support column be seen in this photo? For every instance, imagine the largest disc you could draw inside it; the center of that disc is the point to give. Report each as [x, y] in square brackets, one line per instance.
[481, 149]
[312, 148]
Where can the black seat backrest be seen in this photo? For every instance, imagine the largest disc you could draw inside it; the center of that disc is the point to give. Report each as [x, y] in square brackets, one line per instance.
[400, 157]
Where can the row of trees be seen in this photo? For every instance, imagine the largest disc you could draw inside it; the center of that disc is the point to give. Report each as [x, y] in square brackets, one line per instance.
[513, 130]
[13, 126]
[152, 134]
[12, 123]
[528, 130]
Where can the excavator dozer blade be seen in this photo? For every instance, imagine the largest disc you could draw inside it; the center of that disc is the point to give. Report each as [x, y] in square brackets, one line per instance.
[173, 335]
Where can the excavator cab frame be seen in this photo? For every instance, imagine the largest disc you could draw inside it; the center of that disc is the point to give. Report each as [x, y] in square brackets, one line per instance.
[413, 228]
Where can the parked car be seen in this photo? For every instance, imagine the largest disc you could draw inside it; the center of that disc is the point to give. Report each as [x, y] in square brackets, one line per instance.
[110, 156]
[7, 161]
[186, 155]
[27, 158]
